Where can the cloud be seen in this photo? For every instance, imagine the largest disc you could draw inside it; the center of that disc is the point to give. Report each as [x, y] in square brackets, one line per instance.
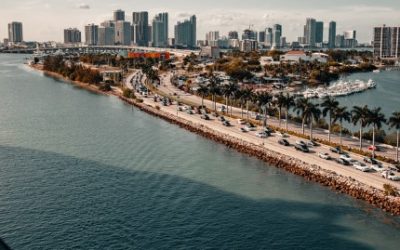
[84, 6]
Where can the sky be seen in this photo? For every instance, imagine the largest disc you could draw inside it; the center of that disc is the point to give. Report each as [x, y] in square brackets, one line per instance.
[44, 20]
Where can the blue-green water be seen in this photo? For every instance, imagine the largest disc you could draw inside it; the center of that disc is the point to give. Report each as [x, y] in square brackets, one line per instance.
[85, 171]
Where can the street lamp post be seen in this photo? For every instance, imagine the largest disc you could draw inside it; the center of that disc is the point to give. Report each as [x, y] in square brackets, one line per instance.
[177, 105]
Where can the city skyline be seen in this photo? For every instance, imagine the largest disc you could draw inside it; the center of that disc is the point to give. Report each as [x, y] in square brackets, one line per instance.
[349, 15]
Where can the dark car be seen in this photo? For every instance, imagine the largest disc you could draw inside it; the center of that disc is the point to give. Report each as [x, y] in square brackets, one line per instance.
[342, 162]
[336, 150]
[226, 123]
[205, 117]
[372, 161]
[221, 118]
[284, 142]
[301, 148]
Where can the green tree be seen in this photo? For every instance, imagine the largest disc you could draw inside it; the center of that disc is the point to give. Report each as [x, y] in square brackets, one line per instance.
[376, 118]
[394, 122]
[360, 116]
[341, 114]
[329, 105]
[203, 91]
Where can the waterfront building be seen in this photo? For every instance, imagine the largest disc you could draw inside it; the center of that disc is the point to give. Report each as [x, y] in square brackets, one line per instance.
[233, 35]
[185, 33]
[350, 34]
[249, 34]
[123, 34]
[277, 34]
[106, 36]
[319, 32]
[269, 37]
[119, 15]
[339, 41]
[386, 42]
[332, 34]
[91, 34]
[160, 30]
[310, 32]
[140, 22]
[72, 36]
[15, 32]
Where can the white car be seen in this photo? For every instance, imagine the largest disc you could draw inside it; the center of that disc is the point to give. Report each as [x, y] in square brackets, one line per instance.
[324, 156]
[261, 134]
[241, 121]
[377, 168]
[251, 128]
[301, 143]
[390, 176]
[346, 157]
[283, 135]
[361, 166]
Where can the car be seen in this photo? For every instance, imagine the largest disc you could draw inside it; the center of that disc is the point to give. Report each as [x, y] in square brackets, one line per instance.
[390, 175]
[301, 143]
[394, 168]
[261, 134]
[312, 143]
[378, 168]
[215, 114]
[372, 161]
[336, 150]
[361, 166]
[189, 111]
[243, 130]
[283, 135]
[205, 117]
[302, 148]
[346, 157]
[221, 118]
[259, 117]
[284, 142]
[324, 156]
[241, 121]
[226, 123]
[251, 127]
[342, 162]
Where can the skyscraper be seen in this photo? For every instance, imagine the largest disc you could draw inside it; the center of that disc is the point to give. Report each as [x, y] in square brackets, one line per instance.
[350, 34]
[185, 33]
[261, 36]
[119, 15]
[332, 34]
[15, 33]
[387, 42]
[277, 34]
[233, 35]
[269, 37]
[212, 38]
[123, 33]
[72, 35]
[91, 34]
[160, 30]
[249, 34]
[319, 32]
[106, 36]
[309, 32]
[140, 22]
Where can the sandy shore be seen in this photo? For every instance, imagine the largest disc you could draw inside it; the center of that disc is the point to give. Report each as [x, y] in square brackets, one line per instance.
[295, 165]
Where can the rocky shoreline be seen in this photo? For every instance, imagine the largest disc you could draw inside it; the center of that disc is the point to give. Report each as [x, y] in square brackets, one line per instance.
[313, 173]
[296, 166]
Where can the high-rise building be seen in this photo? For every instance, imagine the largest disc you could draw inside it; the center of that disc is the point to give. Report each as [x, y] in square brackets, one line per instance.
[350, 34]
[123, 33]
[282, 42]
[339, 41]
[72, 35]
[319, 32]
[277, 34]
[15, 32]
[108, 23]
[261, 36]
[249, 34]
[332, 34]
[119, 15]
[91, 34]
[160, 30]
[140, 22]
[185, 33]
[233, 35]
[269, 37]
[106, 36]
[212, 38]
[150, 35]
[248, 45]
[309, 32]
[387, 42]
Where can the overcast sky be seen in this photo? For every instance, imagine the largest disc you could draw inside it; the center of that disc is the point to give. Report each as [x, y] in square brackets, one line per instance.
[45, 20]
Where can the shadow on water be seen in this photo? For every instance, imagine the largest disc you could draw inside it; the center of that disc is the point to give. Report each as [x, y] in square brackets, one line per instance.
[54, 201]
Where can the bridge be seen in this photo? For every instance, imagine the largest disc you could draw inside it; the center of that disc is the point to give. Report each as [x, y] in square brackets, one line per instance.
[97, 49]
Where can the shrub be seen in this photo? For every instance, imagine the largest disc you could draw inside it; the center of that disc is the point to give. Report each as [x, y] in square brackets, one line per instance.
[390, 190]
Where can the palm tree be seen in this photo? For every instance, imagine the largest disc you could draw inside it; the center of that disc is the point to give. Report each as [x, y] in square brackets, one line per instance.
[360, 115]
[341, 114]
[280, 102]
[376, 118]
[239, 96]
[247, 96]
[214, 90]
[309, 113]
[289, 102]
[203, 92]
[228, 91]
[329, 105]
[394, 122]
[263, 99]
